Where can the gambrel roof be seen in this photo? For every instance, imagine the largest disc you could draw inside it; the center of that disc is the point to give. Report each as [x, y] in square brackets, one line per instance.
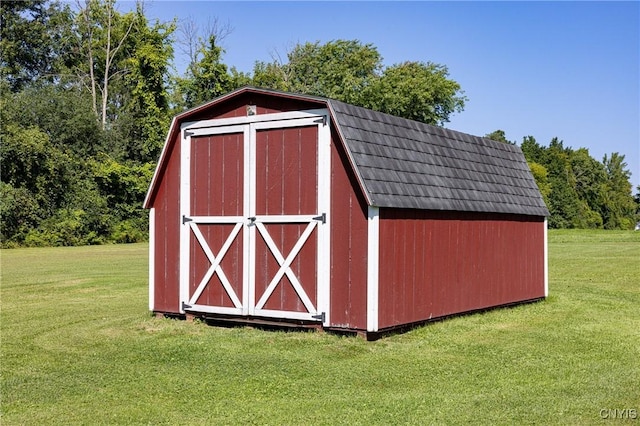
[402, 163]
[408, 164]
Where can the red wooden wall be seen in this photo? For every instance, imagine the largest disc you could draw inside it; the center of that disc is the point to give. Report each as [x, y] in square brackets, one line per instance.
[237, 106]
[348, 298]
[434, 264]
[167, 238]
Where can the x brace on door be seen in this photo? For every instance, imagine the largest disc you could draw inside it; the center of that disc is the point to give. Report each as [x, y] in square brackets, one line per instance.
[215, 264]
[284, 263]
[285, 266]
[243, 297]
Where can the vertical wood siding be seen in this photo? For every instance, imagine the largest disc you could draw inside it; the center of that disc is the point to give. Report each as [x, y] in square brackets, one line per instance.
[237, 107]
[434, 264]
[287, 184]
[166, 198]
[348, 244]
[167, 229]
[216, 190]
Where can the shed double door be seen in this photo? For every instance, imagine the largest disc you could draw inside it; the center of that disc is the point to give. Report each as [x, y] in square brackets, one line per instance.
[254, 232]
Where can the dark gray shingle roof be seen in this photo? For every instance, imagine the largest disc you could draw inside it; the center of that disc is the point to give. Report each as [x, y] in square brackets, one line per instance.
[407, 164]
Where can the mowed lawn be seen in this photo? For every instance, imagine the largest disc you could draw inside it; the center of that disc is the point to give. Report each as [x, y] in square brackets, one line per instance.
[78, 346]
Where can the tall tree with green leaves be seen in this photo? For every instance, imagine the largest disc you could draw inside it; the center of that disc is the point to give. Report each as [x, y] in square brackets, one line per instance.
[541, 176]
[533, 151]
[36, 179]
[564, 204]
[618, 207]
[145, 111]
[589, 177]
[207, 77]
[102, 33]
[499, 136]
[33, 35]
[417, 91]
[340, 69]
[62, 113]
[352, 72]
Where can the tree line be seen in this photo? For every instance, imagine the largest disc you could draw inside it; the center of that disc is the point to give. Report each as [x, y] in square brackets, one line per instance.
[580, 191]
[88, 92]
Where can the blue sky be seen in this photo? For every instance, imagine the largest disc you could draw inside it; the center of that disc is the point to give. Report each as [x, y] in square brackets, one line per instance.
[565, 69]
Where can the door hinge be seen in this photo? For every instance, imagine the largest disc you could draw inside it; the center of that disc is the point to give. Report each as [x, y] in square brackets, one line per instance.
[322, 218]
[322, 120]
[320, 317]
[185, 306]
[187, 133]
[186, 219]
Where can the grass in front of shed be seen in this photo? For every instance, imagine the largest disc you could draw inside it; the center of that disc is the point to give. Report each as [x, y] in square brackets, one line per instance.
[79, 347]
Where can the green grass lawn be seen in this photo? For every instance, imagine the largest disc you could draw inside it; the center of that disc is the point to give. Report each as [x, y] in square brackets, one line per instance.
[78, 346]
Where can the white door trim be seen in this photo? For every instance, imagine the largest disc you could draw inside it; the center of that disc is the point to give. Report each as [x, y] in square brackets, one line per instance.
[206, 125]
[319, 223]
[324, 204]
[285, 267]
[185, 211]
[215, 268]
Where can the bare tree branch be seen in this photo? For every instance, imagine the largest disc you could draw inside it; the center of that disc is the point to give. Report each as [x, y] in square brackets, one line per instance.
[188, 38]
[193, 38]
[110, 55]
[85, 13]
[217, 29]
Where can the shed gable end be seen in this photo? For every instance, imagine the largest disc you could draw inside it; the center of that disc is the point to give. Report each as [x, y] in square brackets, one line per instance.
[400, 163]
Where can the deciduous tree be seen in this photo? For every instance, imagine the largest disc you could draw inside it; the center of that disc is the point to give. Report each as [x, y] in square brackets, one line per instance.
[352, 72]
[500, 136]
[102, 32]
[145, 110]
[417, 91]
[618, 207]
[207, 78]
[32, 40]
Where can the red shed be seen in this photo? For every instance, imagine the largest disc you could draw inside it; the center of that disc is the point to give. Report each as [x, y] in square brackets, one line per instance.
[271, 206]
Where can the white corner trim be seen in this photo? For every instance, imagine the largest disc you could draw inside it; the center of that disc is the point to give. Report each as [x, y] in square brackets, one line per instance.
[152, 256]
[546, 258]
[373, 261]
